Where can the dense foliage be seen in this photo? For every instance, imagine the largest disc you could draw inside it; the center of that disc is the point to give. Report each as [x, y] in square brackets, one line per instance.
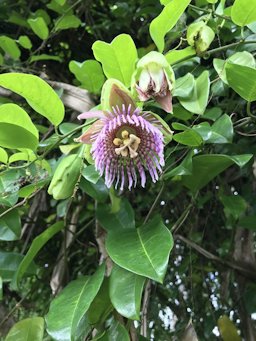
[83, 260]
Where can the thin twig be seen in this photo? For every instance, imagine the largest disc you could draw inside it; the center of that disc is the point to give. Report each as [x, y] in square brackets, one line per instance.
[154, 205]
[144, 322]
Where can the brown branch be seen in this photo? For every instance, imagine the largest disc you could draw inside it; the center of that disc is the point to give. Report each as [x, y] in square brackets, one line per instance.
[251, 274]
[144, 321]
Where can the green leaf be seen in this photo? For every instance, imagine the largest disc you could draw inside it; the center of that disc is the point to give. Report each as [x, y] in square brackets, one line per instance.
[30, 329]
[166, 20]
[89, 73]
[16, 128]
[242, 79]
[98, 191]
[9, 187]
[1, 288]
[117, 332]
[90, 174]
[39, 95]
[35, 247]
[207, 167]
[243, 12]
[185, 168]
[27, 155]
[117, 58]
[10, 226]
[101, 305]
[126, 291]
[188, 138]
[242, 58]
[184, 85]
[66, 22]
[122, 219]
[228, 329]
[39, 27]
[234, 205]
[248, 222]
[196, 102]
[176, 56]
[25, 42]
[45, 57]
[9, 263]
[69, 307]
[10, 47]
[3, 156]
[144, 251]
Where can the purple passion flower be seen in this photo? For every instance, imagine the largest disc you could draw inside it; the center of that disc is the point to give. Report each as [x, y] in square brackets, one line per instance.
[126, 143]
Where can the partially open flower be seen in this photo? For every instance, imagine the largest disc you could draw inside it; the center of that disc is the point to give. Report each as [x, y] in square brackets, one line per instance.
[126, 143]
[154, 78]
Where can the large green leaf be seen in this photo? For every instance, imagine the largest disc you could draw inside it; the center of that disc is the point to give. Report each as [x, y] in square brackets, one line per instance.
[98, 191]
[117, 58]
[206, 167]
[144, 251]
[30, 329]
[243, 12]
[10, 47]
[89, 73]
[69, 307]
[196, 102]
[188, 138]
[166, 20]
[9, 263]
[16, 128]
[241, 58]
[122, 219]
[35, 247]
[3, 156]
[39, 27]
[242, 79]
[10, 226]
[39, 95]
[234, 205]
[126, 291]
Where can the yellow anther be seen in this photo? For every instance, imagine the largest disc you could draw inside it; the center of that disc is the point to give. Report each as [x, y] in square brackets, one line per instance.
[125, 134]
[117, 141]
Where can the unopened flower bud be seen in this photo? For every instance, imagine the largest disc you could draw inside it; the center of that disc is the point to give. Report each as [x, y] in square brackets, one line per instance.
[200, 36]
[154, 78]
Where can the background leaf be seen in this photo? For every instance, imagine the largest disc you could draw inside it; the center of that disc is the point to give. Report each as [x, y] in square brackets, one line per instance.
[30, 329]
[40, 96]
[243, 12]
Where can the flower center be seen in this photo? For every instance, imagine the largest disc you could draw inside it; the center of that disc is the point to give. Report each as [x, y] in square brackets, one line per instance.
[127, 143]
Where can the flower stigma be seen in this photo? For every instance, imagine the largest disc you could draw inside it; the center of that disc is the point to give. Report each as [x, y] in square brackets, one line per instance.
[128, 144]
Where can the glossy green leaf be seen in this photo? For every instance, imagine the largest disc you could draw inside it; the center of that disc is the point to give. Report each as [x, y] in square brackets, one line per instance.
[9, 263]
[16, 128]
[122, 219]
[39, 95]
[3, 156]
[39, 27]
[35, 247]
[9, 187]
[45, 56]
[166, 20]
[98, 191]
[242, 79]
[242, 58]
[10, 225]
[101, 306]
[176, 56]
[117, 332]
[66, 22]
[184, 168]
[207, 167]
[243, 12]
[196, 102]
[30, 329]
[90, 174]
[69, 307]
[188, 138]
[117, 58]
[126, 291]
[10, 47]
[25, 42]
[89, 73]
[144, 251]
[27, 155]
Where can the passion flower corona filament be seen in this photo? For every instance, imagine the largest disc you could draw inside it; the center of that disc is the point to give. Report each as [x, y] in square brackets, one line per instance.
[126, 144]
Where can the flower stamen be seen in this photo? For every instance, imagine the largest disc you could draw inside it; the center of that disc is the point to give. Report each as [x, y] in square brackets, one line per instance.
[129, 143]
